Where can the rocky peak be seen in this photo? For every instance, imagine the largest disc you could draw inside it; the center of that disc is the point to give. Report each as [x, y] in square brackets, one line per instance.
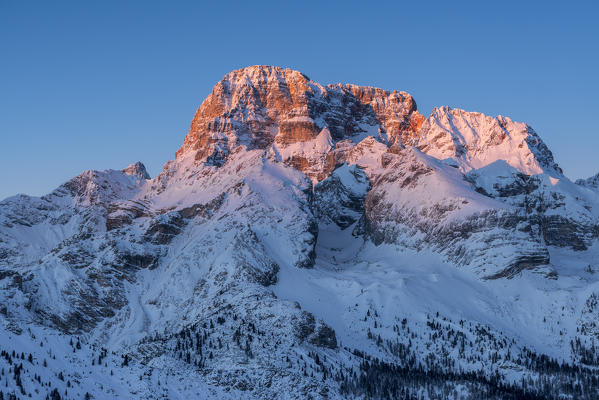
[93, 187]
[475, 140]
[396, 112]
[137, 169]
[592, 182]
[247, 108]
[312, 127]
[261, 106]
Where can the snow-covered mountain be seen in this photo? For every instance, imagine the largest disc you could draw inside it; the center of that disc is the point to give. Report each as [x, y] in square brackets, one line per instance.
[309, 241]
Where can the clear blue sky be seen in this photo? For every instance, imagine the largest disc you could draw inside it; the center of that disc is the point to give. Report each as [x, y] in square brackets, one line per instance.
[97, 85]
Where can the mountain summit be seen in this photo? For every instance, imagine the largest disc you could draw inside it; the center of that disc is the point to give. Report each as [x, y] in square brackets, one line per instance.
[262, 107]
[309, 241]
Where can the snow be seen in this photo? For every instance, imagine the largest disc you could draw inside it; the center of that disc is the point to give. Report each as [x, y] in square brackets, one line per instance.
[352, 276]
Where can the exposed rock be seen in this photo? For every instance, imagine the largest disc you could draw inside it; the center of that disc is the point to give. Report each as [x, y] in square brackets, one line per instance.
[418, 201]
[589, 316]
[563, 232]
[203, 210]
[592, 182]
[132, 260]
[122, 213]
[260, 106]
[340, 197]
[324, 336]
[475, 140]
[101, 187]
[137, 169]
[315, 332]
[250, 260]
[164, 227]
[305, 325]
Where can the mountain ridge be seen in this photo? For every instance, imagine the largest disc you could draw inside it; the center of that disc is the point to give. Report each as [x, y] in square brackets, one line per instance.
[310, 241]
[275, 98]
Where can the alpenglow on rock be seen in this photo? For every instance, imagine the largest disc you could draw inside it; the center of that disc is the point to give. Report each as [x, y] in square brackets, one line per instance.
[309, 241]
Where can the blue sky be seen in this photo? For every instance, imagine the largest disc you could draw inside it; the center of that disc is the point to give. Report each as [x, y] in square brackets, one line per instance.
[97, 85]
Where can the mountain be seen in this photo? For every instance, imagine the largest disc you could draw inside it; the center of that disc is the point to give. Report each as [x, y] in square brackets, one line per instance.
[309, 241]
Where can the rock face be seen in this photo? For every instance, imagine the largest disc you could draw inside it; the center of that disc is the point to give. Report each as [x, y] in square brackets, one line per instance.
[340, 197]
[592, 182]
[137, 169]
[287, 194]
[475, 140]
[264, 107]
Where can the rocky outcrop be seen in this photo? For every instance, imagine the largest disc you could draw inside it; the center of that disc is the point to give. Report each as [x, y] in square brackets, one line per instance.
[164, 228]
[420, 202]
[340, 198]
[122, 213]
[566, 232]
[395, 111]
[589, 316]
[307, 328]
[554, 207]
